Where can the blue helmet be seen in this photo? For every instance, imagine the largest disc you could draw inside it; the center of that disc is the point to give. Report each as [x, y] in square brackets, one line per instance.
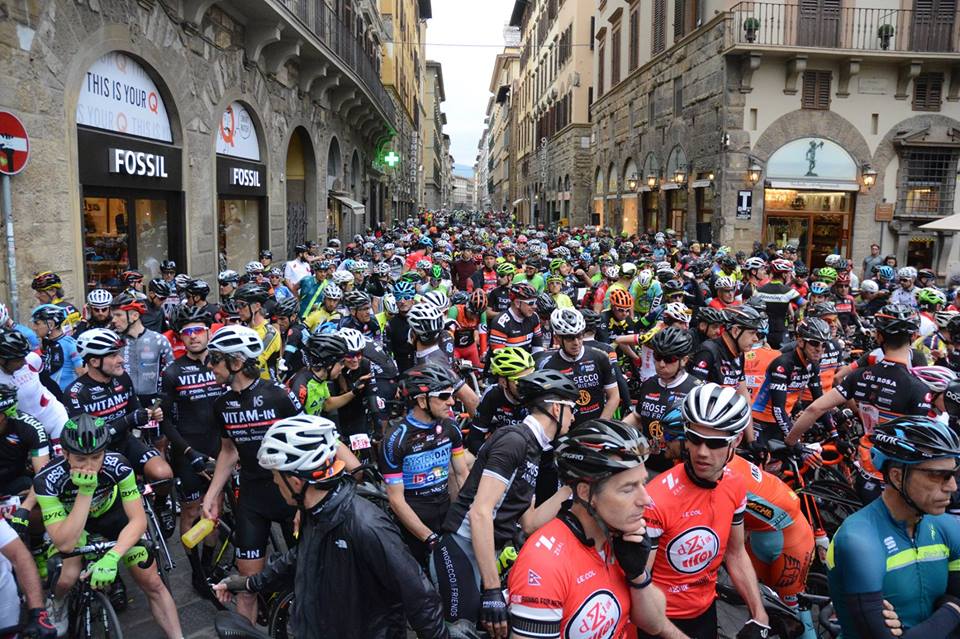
[327, 328]
[819, 288]
[404, 290]
[49, 313]
[886, 272]
[426, 241]
[671, 424]
[912, 440]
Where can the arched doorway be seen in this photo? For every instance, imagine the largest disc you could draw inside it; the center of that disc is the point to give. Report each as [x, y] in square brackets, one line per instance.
[630, 203]
[301, 190]
[334, 183]
[599, 188]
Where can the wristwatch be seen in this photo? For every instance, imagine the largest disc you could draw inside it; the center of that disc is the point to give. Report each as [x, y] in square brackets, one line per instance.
[645, 580]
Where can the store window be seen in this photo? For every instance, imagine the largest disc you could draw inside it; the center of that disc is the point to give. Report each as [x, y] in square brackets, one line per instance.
[927, 182]
[677, 210]
[818, 223]
[920, 252]
[238, 223]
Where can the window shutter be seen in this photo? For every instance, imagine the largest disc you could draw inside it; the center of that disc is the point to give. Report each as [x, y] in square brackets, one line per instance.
[678, 20]
[928, 92]
[816, 90]
[658, 42]
[634, 39]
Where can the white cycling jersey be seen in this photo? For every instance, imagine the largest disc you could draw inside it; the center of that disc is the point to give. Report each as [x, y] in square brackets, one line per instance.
[34, 398]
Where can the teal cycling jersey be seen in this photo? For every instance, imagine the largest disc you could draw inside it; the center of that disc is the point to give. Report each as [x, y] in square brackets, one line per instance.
[872, 552]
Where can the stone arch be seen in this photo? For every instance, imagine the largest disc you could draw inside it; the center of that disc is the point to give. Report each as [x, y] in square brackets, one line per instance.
[886, 151]
[630, 170]
[612, 178]
[301, 188]
[257, 118]
[334, 163]
[599, 182]
[807, 123]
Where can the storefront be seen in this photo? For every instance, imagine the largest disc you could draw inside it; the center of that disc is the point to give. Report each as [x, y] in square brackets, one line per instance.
[809, 199]
[705, 198]
[242, 214]
[130, 174]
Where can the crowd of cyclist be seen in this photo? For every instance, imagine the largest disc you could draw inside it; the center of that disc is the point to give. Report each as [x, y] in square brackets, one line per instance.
[572, 430]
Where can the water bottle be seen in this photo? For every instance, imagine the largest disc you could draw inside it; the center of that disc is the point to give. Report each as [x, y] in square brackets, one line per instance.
[198, 533]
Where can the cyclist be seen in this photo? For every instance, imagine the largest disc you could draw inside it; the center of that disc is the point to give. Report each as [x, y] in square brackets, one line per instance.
[329, 309]
[228, 281]
[941, 347]
[292, 335]
[586, 575]
[545, 307]
[58, 350]
[93, 490]
[499, 298]
[906, 294]
[671, 349]
[422, 457]
[250, 299]
[696, 519]
[396, 336]
[646, 292]
[555, 284]
[153, 316]
[279, 289]
[188, 389]
[500, 403]
[361, 315]
[196, 294]
[241, 416]
[430, 340]
[938, 379]
[351, 572]
[787, 377]
[518, 325]
[18, 567]
[48, 289]
[497, 501]
[902, 548]
[26, 447]
[145, 353]
[310, 287]
[708, 323]
[485, 278]
[832, 348]
[470, 330]
[323, 354]
[20, 367]
[298, 268]
[780, 299]
[726, 292]
[98, 311]
[361, 413]
[930, 301]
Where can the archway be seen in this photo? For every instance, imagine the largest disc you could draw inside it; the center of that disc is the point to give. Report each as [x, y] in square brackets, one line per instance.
[599, 188]
[630, 201]
[301, 188]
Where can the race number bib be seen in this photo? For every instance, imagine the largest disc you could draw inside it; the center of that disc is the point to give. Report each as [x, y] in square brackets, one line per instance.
[360, 441]
[9, 505]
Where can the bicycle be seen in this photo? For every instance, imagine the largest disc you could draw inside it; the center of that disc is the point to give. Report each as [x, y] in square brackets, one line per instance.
[90, 613]
[153, 538]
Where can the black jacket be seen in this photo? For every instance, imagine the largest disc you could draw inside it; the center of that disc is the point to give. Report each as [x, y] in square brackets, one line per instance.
[353, 576]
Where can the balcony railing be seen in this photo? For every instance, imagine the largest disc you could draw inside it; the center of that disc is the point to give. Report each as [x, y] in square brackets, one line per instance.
[819, 25]
[343, 42]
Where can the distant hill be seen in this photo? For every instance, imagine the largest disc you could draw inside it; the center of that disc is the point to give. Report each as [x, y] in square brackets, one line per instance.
[465, 170]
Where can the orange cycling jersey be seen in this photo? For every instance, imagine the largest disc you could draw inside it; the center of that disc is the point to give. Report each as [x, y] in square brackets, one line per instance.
[771, 504]
[689, 526]
[560, 586]
[755, 364]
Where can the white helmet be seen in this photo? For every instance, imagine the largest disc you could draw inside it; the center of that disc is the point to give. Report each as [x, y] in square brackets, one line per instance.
[4, 314]
[611, 272]
[645, 279]
[677, 311]
[754, 263]
[832, 260]
[342, 277]
[869, 286]
[381, 268]
[438, 299]
[99, 298]
[659, 238]
[304, 445]
[724, 282]
[354, 339]
[331, 291]
[235, 340]
[97, 342]
[253, 267]
[628, 269]
[567, 321]
[907, 271]
[390, 304]
[425, 320]
[359, 266]
[715, 406]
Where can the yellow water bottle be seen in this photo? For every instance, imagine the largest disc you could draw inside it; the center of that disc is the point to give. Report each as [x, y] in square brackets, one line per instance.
[199, 531]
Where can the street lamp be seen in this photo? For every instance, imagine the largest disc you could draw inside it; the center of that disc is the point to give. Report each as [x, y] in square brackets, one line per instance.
[652, 181]
[869, 176]
[754, 172]
[632, 182]
[680, 175]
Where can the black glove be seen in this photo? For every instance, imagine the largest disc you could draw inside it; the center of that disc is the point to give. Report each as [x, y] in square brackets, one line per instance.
[197, 460]
[632, 555]
[236, 583]
[139, 417]
[753, 629]
[493, 608]
[432, 541]
[19, 521]
[38, 625]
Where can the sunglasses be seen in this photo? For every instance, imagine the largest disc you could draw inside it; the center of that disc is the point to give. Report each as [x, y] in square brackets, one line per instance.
[353, 355]
[943, 476]
[672, 437]
[713, 443]
[191, 331]
[666, 359]
[240, 304]
[814, 343]
[443, 396]
[215, 358]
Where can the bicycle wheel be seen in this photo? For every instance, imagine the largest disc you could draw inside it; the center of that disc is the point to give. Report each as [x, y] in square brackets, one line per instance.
[278, 626]
[836, 501]
[98, 620]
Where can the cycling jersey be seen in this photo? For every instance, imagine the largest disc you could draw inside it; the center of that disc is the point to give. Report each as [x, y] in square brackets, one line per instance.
[112, 400]
[829, 364]
[512, 457]
[511, 330]
[846, 309]
[495, 411]
[320, 315]
[34, 398]
[21, 438]
[498, 299]
[787, 377]
[755, 364]
[61, 359]
[244, 416]
[144, 358]
[189, 389]
[592, 373]
[560, 586]
[645, 299]
[356, 416]
[690, 526]
[310, 292]
[487, 280]
[396, 340]
[370, 329]
[272, 349]
[72, 315]
[771, 504]
[610, 327]
[653, 402]
[293, 361]
[872, 553]
[417, 455]
[384, 369]
[778, 298]
[715, 362]
[537, 281]
[56, 493]
[464, 333]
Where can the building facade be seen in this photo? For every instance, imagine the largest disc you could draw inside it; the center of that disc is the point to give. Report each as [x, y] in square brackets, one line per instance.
[463, 193]
[553, 127]
[434, 156]
[824, 126]
[502, 114]
[481, 173]
[202, 135]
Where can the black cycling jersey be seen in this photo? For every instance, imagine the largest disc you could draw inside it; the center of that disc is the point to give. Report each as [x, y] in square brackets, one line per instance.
[498, 300]
[917, 358]
[512, 456]
[246, 415]
[778, 297]
[188, 389]
[293, 360]
[654, 400]
[375, 287]
[370, 329]
[384, 369]
[885, 391]
[115, 401]
[22, 438]
[610, 327]
[154, 320]
[787, 377]
[87, 324]
[352, 417]
[511, 330]
[495, 411]
[396, 340]
[714, 362]
[592, 374]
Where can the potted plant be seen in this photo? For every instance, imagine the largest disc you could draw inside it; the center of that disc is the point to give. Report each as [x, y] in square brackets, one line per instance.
[885, 33]
[751, 25]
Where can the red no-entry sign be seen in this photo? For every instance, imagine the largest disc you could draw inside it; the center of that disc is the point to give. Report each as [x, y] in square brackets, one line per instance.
[14, 144]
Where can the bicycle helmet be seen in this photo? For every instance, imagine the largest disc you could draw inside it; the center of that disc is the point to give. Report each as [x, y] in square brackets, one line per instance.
[228, 277]
[645, 278]
[886, 272]
[715, 406]
[390, 304]
[253, 268]
[710, 315]
[819, 288]
[728, 261]
[506, 269]
[199, 288]
[744, 316]
[428, 377]
[911, 440]
[672, 341]
[567, 321]
[930, 297]
[591, 319]
[556, 263]
[477, 302]
[168, 266]
[724, 283]
[821, 308]
[8, 399]
[252, 293]
[184, 315]
[99, 298]
[13, 344]
[676, 312]
[907, 272]
[302, 445]
[597, 449]
[926, 274]
[236, 340]
[287, 307]
[522, 291]
[894, 319]
[99, 342]
[843, 278]
[85, 435]
[546, 304]
[510, 361]
[423, 265]
[404, 290]
[342, 277]
[360, 266]
[324, 349]
[354, 339]
[942, 318]
[937, 378]
[356, 300]
[781, 266]
[813, 328]
[426, 321]
[620, 298]
[951, 399]
[331, 291]
[546, 384]
[827, 275]
[800, 270]
[381, 269]
[49, 313]
[437, 298]
[754, 264]
[436, 272]
[869, 286]
[611, 272]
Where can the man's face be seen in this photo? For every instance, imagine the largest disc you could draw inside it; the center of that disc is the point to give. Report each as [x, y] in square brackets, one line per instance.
[155, 300]
[41, 328]
[619, 313]
[726, 295]
[112, 364]
[874, 250]
[120, 320]
[747, 338]
[363, 314]
[489, 261]
[571, 344]
[711, 330]
[438, 407]
[812, 350]
[275, 281]
[504, 280]
[217, 364]
[352, 360]
[283, 323]
[526, 308]
[195, 337]
[668, 366]
[529, 271]
[85, 463]
[246, 310]
[226, 290]
[168, 276]
[709, 462]
[906, 283]
[622, 500]
[553, 287]
[930, 484]
[565, 269]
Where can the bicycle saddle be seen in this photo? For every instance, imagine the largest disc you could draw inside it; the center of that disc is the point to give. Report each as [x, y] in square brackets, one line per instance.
[232, 625]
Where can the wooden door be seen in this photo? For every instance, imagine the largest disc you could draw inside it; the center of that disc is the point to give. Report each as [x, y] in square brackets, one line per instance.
[933, 25]
[819, 23]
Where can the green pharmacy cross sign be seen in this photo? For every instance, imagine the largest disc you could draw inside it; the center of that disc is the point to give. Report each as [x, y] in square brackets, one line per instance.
[392, 159]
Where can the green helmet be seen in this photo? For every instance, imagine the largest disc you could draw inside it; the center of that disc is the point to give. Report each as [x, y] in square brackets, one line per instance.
[85, 435]
[510, 361]
[556, 263]
[827, 275]
[505, 269]
[436, 272]
[931, 297]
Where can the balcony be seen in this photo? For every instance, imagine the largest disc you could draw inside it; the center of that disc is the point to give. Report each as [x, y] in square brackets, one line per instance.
[896, 33]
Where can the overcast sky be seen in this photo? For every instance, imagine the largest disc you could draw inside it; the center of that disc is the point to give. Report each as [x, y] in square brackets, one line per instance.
[466, 70]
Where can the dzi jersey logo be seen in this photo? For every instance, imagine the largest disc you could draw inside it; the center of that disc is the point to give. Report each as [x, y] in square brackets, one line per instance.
[693, 550]
[596, 618]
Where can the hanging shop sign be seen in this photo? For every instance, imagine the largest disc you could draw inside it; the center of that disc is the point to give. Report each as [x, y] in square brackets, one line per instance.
[744, 205]
[237, 136]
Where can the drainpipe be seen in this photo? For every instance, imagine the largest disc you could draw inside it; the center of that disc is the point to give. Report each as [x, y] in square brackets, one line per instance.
[6, 200]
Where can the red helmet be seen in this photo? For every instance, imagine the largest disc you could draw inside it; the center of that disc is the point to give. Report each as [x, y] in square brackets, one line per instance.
[782, 266]
[477, 302]
[522, 291]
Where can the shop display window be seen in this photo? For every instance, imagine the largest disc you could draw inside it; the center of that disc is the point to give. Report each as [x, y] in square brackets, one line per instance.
[238, 233]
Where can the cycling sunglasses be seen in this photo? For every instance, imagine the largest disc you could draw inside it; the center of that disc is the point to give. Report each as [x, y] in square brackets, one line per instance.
[666, 359]
[215, 358]
[943, 476]
[191, 331]
[353, 355]
[713, 443]
[443, 396]
[814, 343]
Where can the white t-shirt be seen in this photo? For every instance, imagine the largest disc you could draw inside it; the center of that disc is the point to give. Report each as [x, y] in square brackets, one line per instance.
[295, 270]
[33, 397]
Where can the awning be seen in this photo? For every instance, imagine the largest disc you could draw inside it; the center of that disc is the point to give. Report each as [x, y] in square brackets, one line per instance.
[702, 184]
[813, 185]
[949, 223]
[356, 207]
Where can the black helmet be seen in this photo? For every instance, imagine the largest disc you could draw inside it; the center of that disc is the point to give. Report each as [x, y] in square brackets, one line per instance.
[894, 319]
[300, 248]
[672, 341]
[951, 399]
[228, 309]
[672, 286]
[800, 270]
[711, 315]
[13, 344]
[522, 291]
[911, 440]
[597, 449]
[8, 397]
[324, 350]
[545, 304]
[168, 266]
[184, 315]
[252, 294]
[460, 297]
[159, 287]
[728, 261]
[822, 308]
[591, 318]
[266, 253]
[744, 316]
[85, 435]
[199, 288]
[355, 300]
[287, 307]
[546, 384]
[426, 378]
[813, 328]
